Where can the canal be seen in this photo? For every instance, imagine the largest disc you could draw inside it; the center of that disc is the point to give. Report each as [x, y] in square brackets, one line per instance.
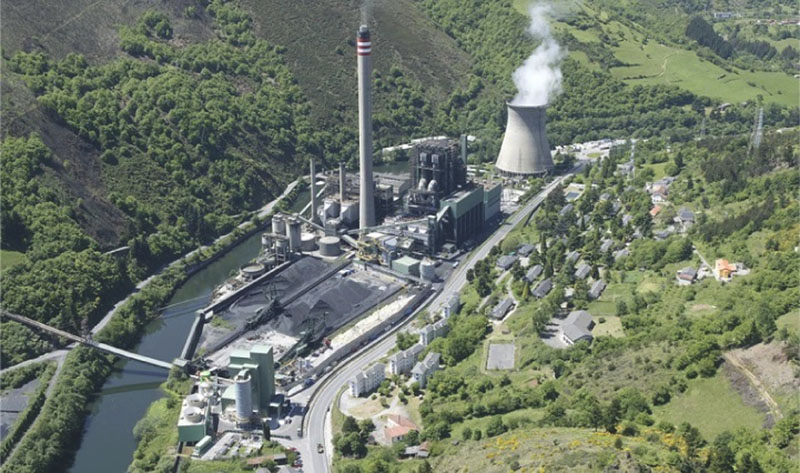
[108, 443]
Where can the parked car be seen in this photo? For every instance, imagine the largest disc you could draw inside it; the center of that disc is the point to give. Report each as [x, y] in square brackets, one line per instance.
[320, 449]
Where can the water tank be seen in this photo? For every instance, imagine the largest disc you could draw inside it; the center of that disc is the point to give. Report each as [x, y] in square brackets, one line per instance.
[307, 242]
[193, 414]
[330, 246]
[525, 150]
[278, 225]
[196, 400]
[293, 234]
[243, 397]
[265, 240]
[253, 270]
[427, 270]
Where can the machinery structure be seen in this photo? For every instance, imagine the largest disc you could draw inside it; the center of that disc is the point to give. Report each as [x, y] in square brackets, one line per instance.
[525, 150]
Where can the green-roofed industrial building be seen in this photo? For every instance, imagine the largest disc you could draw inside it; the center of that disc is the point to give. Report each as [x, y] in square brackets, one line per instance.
[260, 365]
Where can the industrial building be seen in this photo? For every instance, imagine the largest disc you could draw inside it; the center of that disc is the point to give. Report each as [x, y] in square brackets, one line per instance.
[254, 382]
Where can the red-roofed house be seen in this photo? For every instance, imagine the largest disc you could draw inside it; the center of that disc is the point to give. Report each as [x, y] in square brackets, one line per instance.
[397, 428]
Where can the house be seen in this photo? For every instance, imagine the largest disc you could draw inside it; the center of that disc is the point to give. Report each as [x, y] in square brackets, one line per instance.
[525, 249]
[597, 288]
[655, 211]
[402, 362]
[606, 245]
[425, 368]
[723, 270]
[573, 256]
[662, 234]
[626, 219]
[506, 261]
[533, 273]
[432, 331]
[625, 169]
[619, 254]
[605, 196]
[367, 380]
[583, 271]
[417, 451]
[397, 428]
[586, 220]
[615, 208]
[451, 306]
[543, 288]
[659, 196]
[502, 308]
[686, 276]
[685, 218]
[566, 209]
[577, 326]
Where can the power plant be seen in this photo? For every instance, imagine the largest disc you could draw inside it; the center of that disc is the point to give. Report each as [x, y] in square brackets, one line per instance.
[525, 150]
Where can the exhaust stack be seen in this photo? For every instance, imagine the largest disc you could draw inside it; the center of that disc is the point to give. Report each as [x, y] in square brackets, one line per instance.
[342, 183]
[314, 214]
[525, 150]
[366, 214]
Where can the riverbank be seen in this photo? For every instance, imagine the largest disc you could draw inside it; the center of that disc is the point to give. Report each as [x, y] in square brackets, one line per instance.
[52, 442]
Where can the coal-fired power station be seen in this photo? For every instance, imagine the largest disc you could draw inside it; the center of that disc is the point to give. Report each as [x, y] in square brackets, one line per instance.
[366, 209]
[525, 150]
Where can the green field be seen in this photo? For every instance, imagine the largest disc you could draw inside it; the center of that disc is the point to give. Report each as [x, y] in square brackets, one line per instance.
[708, 404]
[649, 62]
[611, 327]
[9, 258]
[791, 321]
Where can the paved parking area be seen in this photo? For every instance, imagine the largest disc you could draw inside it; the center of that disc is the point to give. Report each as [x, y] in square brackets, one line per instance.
[501, 356]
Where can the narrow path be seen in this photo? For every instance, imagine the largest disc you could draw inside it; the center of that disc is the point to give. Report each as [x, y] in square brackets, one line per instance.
[737, 363]
[47, 356]
[62, 356]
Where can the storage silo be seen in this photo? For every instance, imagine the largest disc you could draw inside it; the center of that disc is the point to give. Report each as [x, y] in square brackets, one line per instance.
[330, 246]
[278, 225]
[243, 397]
[525, 150]
[427, 270]
[293, 233]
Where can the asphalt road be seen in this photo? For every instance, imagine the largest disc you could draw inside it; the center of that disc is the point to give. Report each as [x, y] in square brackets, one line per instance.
[322, 401]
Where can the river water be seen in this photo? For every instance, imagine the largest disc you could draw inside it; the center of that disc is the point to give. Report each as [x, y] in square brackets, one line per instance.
[108, 443]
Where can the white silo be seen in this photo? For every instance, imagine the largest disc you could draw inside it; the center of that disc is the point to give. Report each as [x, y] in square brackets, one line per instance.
[293, 233]
[427, 270]
[278, 225]
[243, 397]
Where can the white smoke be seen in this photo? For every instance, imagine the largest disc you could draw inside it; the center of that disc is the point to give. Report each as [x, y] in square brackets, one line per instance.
[538, 79]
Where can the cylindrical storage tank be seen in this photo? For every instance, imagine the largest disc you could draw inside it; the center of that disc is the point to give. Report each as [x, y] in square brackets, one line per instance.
[252, 271]
[307, 242]
[243, 397]
[525, 150]
[278, 225]
[331, 208]
[193, 414]
[427, 270]
[270, 262]
[293, 233]
[206, 389]
[330, 246]
[265, 240]
[280, 245]
[196, 400]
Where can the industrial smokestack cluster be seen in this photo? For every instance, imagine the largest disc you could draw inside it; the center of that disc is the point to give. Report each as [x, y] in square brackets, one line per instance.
[525, 150]
[366, 214]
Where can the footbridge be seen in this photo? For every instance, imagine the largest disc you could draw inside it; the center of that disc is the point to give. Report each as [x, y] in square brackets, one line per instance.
[86, 341]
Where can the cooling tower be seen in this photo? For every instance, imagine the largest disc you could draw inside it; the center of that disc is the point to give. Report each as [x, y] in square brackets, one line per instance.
[525, 150]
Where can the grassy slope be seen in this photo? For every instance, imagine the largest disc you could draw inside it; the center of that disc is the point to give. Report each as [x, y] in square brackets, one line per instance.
[9, 258]
[321, 55]
[657, 63]
[708, 404]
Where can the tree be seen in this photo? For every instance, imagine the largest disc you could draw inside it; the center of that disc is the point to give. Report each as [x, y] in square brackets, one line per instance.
[350, 425]
[466, 434]
[495, 427]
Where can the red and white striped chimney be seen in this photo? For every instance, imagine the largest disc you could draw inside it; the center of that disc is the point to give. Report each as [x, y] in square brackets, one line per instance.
[366, 214]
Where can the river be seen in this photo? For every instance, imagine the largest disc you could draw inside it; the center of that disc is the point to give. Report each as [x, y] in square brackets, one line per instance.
[108, 443]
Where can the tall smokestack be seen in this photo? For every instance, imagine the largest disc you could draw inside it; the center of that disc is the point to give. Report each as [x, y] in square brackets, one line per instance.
[366, 214]
[313, 192]
[342, 183]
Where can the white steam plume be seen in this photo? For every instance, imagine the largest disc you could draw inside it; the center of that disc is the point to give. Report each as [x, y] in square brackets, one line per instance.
[366, 11]
[538, 79]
